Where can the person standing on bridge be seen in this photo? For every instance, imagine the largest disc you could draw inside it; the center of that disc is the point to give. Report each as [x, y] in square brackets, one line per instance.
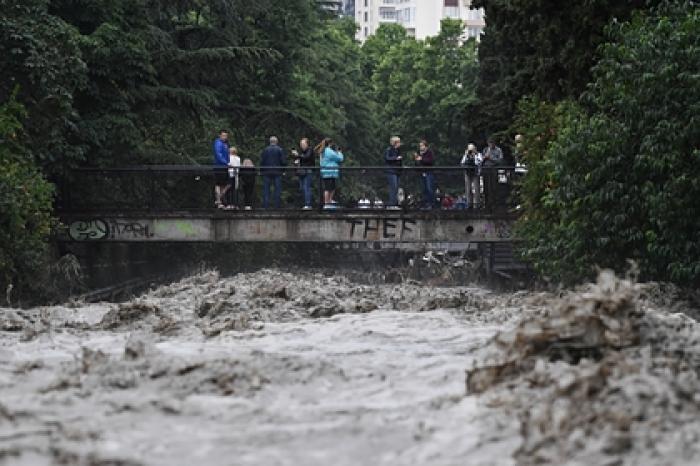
[426, 158]
[272, 163]
[330, 171]
[393, 161]
[234, 167]
[305, 161]
[492, 159]
[221, 161]
[248, 176]
[472, 176]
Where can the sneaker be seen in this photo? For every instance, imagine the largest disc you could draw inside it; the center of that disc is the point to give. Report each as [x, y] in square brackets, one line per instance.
[307, 207]
[248, 207]
[394, 207]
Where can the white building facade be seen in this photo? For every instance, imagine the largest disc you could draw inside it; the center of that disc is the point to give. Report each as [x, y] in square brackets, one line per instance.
[421, 18]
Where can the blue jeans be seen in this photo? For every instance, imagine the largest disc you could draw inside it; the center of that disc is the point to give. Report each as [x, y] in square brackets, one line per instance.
[268, 181]
[428, 189]
[305, 187]
[393, 179]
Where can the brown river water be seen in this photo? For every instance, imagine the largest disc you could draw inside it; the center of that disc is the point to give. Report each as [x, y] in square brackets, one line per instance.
[271, 368]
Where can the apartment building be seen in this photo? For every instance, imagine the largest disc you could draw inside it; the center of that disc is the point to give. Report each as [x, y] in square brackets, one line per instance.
[334, 7]
[421, 18]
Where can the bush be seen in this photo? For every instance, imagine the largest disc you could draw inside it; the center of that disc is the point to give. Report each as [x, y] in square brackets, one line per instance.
[620, 179]
[25, 207]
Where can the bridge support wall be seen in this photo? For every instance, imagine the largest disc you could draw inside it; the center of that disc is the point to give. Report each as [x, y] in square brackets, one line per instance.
[303, 228]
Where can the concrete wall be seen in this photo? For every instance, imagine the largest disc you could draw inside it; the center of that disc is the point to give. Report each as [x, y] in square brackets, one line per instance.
[279, 227]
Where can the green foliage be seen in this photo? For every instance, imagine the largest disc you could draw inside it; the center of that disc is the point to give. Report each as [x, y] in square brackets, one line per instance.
[378, 45]
[25, 205]
[40, 55]
[426, 86]
[538, 47]
[621, 179]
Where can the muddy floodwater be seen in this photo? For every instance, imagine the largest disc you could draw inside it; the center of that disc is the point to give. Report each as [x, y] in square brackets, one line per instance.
[272, 368]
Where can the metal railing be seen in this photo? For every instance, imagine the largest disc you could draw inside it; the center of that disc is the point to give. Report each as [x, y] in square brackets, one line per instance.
[159, 188]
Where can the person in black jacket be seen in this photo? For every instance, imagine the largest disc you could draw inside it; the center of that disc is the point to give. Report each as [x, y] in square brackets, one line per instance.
[248, 175]
[272, 163]
[392, 160]
[426, 158]
[305, 160]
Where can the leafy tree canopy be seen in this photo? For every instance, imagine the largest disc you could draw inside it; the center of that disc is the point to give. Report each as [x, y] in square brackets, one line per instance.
[621, 176]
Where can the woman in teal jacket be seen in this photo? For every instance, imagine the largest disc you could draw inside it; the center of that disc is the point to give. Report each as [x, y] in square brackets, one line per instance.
[330, 164]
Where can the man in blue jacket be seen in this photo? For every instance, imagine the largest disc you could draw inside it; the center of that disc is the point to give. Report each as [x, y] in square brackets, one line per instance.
[221, 161]
[392, 160]
[272, 163]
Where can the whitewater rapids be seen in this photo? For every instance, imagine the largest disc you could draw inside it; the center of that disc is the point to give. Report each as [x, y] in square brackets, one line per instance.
[259, 369]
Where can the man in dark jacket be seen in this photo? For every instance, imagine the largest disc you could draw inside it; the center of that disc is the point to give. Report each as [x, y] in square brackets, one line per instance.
[305, 161]
[392, 160]
[426, 158]
[272, 163]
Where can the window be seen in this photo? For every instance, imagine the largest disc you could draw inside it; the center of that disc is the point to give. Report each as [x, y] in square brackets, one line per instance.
[366, 17]
[451, 9]
[387, 14]
[366, 1]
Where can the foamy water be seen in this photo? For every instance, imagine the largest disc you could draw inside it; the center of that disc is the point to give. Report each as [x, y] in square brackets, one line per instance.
[381, 382]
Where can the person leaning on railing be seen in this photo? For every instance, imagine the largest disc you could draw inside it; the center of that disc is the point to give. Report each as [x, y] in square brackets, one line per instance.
[231, 199]
[248, 176]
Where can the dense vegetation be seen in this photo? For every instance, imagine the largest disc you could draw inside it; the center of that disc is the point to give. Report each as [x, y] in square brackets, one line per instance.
[605, 93]
[617, 176]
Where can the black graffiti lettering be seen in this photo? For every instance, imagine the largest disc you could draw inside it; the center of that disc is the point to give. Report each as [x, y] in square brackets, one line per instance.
[406, 225]
[388, 228]
[130, 230]
[353, 225]
[369, 228]
[389, 225]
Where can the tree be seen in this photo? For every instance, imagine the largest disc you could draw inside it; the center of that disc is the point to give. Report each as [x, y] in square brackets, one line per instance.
[537, 48]
[427, 86]
[40, 56]
[625, 169]
[25, 205]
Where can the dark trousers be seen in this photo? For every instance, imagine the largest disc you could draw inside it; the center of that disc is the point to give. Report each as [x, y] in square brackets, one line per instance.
[305, 187]
[249, 192]
[393, 180]
[428, 189]
[268, 182]
[232, 197]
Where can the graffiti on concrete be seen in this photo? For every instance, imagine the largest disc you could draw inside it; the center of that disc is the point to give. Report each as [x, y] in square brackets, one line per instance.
[129, 230]
[384, 229]
[88, 230]
[115, 230]
[499, 229]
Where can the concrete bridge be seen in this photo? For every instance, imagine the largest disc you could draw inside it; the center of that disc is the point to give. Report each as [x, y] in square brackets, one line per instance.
[352, 226]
